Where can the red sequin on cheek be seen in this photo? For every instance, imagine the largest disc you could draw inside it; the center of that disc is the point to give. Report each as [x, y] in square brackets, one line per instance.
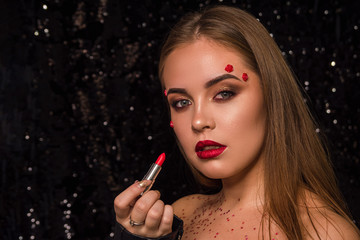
[229, 68]
[245, 77]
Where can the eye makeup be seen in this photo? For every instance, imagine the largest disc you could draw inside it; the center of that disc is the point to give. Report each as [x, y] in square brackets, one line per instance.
[183, 101]
[227, 89]
[209, 83]
[226, 95]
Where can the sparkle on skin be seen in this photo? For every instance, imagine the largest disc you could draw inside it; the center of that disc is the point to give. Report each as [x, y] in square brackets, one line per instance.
[204, 217]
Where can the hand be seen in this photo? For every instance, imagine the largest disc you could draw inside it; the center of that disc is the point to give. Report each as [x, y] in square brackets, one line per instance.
[148, 209]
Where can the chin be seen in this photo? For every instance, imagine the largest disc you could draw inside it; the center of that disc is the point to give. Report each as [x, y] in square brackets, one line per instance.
[214, 173]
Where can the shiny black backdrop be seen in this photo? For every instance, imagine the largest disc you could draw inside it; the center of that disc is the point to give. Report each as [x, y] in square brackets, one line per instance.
[82, 112]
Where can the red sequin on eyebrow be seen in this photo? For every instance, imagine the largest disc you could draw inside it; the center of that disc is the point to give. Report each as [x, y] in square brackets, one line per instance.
[165, 93]
[245, 77]
[229, 68]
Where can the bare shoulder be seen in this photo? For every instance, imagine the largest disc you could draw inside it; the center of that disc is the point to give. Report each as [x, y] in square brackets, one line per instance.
[186, 206]
[330, 225]
[321, 222]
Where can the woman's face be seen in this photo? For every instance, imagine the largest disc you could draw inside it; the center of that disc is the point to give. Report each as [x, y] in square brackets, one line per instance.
[218, 117]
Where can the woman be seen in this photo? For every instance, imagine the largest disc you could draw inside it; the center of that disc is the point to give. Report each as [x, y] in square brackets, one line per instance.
[243, 127]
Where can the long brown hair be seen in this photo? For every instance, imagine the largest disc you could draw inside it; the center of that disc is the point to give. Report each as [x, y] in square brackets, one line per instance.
[295, 158]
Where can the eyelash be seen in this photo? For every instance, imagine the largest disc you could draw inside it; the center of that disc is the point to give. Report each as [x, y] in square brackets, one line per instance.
[175, 103]
[231, 94]
[188, 102]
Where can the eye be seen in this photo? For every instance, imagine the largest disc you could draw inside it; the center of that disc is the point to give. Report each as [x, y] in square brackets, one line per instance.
[181, 103]
[224, 95]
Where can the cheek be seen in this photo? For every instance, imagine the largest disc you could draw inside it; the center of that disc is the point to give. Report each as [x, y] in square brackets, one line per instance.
[182, 125]
[246, 117]
[245, 120]
[184, 134]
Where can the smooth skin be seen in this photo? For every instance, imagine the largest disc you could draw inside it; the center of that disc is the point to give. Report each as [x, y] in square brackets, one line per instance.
[209, 103]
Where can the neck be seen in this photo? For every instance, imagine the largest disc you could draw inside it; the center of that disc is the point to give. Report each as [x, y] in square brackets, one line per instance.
[245, 190]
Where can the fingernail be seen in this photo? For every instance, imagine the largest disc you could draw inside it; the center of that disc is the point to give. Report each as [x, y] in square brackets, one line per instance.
[142, 184]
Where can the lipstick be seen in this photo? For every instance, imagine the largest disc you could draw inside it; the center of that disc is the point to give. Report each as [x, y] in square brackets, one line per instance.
[153, 171]
[209, 149]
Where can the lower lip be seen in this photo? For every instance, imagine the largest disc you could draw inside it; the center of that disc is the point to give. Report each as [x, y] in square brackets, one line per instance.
[211, 153]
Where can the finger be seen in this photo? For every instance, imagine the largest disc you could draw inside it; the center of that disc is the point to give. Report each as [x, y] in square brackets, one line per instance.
[165, 226]
[153, 217]
[125, 200]
[143, 205]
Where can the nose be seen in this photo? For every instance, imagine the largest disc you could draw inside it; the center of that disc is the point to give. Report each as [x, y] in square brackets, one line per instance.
[202, 119]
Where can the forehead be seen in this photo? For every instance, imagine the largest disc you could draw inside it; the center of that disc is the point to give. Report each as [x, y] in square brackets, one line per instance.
[202, 59]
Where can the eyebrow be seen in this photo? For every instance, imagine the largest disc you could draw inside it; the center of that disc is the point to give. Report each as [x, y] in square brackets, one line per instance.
[219, 79]
[207, 84]
[176, 90]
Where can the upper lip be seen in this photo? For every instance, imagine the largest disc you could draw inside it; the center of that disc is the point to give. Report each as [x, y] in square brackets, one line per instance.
[201, 144]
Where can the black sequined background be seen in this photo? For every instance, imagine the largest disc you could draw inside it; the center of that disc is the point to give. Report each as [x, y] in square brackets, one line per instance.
[82, 112]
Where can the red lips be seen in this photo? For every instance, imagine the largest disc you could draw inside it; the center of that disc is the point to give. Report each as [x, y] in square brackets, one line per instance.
[209, 149]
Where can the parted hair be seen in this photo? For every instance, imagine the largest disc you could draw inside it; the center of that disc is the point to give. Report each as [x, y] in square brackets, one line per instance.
[295, 157]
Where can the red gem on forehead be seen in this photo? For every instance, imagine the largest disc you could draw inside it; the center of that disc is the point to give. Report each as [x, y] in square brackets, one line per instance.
[245, 77]
[229, 68]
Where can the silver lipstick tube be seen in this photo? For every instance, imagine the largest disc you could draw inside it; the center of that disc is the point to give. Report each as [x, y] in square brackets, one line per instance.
[151, 175]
